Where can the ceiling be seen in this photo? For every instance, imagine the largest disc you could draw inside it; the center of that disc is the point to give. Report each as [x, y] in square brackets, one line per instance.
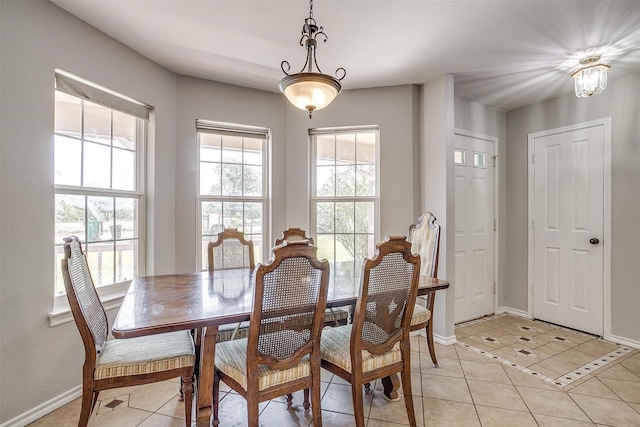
[504, 54]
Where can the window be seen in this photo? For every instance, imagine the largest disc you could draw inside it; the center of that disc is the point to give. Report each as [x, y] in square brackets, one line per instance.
[233, 179]
[344, 191]
[98, 158]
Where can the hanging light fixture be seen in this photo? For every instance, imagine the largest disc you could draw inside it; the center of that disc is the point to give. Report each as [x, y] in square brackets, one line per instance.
[310, 90]
[591, 79]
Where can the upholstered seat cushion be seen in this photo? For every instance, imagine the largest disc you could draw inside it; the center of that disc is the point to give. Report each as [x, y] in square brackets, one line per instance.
[145, 355]
[231, 358]
[420, 315]
[226, 332]
[336, 314]
[334, 348]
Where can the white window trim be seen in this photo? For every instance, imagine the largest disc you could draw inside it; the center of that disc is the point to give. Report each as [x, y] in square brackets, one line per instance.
[313, 179]
[110, 295]
[238, 130]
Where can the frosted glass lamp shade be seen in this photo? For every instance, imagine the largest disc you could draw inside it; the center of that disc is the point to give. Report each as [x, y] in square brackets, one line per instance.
[310, 91]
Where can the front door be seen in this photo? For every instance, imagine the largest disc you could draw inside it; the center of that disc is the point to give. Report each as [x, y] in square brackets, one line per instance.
[568, 223]
[474, 234]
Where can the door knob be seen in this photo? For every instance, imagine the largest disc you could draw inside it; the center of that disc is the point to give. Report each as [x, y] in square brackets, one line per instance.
[594, 241]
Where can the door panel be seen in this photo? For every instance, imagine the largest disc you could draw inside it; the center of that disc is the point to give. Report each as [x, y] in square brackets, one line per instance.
[568, 211]
[474, 234]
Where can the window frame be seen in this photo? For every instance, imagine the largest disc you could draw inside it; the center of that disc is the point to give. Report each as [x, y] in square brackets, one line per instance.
[222, 128]
[111, 294]
[315, 199]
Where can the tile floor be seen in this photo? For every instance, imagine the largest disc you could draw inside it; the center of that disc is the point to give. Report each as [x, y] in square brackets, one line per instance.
[505, 371]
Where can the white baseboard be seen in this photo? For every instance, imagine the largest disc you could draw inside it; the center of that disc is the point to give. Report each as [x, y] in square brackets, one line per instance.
[44, 409]
[437, 338]
[625, 341]
[513, 311]
[450, 340]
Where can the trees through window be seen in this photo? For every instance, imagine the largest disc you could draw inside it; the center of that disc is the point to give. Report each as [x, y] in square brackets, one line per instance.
[344, 195]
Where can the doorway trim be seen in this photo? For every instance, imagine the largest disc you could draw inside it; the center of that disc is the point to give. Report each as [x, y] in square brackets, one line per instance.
[606, 279]
[496, 210]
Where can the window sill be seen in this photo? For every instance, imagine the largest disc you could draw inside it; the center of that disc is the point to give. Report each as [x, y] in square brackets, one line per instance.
[62, 312]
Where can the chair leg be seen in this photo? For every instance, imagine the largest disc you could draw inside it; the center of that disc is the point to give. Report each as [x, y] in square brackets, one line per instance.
[187, 392]
[408, 397]
[306, 401]
[432, 350]
[216, 399]
[358, 404]
[315, 398]
[252, 412]
[367, 389]
[289, 401]
[88, 402]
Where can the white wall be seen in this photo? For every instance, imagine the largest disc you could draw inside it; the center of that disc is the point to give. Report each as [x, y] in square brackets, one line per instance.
[38, 363]
[620, 102]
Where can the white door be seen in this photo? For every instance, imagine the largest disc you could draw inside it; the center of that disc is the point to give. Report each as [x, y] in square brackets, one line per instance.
[568, 224]
[474, 242]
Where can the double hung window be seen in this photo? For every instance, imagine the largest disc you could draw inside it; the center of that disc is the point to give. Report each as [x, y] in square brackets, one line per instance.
[344, 202]
[98, 167]
[232, 184]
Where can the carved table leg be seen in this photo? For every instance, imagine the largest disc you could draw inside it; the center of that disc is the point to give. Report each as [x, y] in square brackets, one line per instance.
[391, 385]
[205, 380]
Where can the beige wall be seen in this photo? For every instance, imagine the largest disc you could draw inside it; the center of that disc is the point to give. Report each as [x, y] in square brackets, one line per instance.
[204, 99]
[394, 110]
[39, 363]
[36, 37]
[620, 102]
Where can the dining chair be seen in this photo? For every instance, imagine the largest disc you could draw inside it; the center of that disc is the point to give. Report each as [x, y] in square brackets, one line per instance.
[333, 316]
[376, 343]
[282, 351]
[120, 363]
[231, 250]
[425, 241]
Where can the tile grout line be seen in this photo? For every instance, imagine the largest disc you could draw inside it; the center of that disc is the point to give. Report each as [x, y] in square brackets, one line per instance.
[563, 380]
[508, 363]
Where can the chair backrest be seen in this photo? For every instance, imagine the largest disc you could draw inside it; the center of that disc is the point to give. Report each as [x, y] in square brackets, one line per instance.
[425, 241]
[293, 234]
[230, 250]
[290, 299]
[86, 307]
[388, 290]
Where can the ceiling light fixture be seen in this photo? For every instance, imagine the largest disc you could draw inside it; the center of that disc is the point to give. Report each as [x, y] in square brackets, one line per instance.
[310, 90]
[591, 79]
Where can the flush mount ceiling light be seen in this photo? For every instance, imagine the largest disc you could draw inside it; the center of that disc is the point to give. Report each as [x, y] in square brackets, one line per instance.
[310, 90]
[591, 78]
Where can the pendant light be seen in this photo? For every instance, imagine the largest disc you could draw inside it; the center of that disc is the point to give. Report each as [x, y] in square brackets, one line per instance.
[310, 90]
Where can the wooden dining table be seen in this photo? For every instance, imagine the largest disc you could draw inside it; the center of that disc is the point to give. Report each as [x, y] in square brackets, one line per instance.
[203, 301]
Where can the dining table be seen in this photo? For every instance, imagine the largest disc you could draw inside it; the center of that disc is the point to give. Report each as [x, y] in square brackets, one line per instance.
[205, 300]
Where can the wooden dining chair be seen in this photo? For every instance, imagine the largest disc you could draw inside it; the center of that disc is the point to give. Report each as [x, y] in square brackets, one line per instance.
[333, 316]
[376, 343]
[231, 250]
[282, 351]
[425, 241]
[120, 363]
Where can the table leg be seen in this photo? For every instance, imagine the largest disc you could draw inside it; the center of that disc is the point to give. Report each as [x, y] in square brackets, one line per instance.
[391, 386]
[205, 381]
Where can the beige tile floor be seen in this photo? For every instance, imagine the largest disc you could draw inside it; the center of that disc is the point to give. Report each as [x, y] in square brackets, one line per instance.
[469, 388]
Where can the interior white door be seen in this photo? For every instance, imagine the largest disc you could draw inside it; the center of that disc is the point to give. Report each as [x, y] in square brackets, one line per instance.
[474, 234]
[568, 223]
